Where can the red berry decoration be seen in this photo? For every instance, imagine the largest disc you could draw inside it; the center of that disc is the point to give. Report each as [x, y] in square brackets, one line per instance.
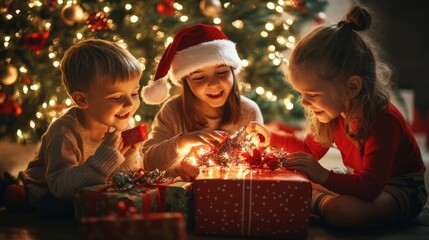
[165, 7]
[98, 21]
[36, 41]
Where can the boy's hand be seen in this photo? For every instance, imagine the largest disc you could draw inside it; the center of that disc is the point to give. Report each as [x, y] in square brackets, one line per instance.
[260, 134]
[209, 138]
[307, 164]
[130, 150]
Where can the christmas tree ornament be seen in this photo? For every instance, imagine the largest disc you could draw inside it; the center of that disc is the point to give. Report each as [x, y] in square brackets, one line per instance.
[8, 74]
[36, 41]
[211, 8]
[51, 4]
[72, 13]
[165, 8]
[98, 21]
[320, 18]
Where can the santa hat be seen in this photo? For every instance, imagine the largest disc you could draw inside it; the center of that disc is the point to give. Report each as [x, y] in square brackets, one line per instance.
[193, 48]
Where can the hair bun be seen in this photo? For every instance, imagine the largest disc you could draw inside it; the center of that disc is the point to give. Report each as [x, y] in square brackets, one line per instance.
[359, 18]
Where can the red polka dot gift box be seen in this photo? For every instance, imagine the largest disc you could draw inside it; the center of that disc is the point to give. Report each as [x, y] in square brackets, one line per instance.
[252, 203]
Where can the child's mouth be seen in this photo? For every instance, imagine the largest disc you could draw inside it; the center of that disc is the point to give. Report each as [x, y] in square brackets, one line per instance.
[216, 94]
[122, 116]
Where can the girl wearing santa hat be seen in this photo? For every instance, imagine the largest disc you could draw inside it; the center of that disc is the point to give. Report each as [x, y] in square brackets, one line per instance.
[204, 63]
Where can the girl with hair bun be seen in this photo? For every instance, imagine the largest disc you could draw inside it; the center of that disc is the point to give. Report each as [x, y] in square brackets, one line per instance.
[342, 86]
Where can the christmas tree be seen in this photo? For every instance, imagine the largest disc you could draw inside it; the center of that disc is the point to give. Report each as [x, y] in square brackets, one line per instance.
[36, 33]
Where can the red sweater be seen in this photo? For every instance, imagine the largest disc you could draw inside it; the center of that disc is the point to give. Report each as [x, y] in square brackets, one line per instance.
[390, 150]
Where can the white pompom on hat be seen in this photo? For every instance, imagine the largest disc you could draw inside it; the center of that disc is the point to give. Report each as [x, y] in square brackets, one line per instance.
[193, 48]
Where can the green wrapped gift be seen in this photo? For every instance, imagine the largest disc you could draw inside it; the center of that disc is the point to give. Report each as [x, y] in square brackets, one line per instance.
[134, 197]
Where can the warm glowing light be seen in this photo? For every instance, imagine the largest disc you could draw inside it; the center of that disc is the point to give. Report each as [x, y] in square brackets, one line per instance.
[271, 5]
[51, 102]
[134, 18]
[106, 9]
[138, 118]
[277, 61]
[269, 26]
[56, 63]
[128, 6]
[244, 63]
[271, 48]
[177, 6]
[184, 18]
[238, 24]
[260, 90]
[68, 102]
[264, 34]
[23, 69]
[217, 20]
[25, 89]
[19, 133]
[32, 124]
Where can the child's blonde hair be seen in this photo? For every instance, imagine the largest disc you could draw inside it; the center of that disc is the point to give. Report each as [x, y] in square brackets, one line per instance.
[337, 53]
[93, 62]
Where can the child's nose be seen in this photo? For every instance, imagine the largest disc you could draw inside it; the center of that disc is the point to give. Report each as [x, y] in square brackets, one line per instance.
[129, 101]
[213, 81]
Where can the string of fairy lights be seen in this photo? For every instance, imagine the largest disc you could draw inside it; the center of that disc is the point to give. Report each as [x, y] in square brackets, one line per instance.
[73, 13]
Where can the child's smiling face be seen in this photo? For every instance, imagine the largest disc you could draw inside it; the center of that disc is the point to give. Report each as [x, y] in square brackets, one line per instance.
[212, 86]
[324, 98]
[112, 105]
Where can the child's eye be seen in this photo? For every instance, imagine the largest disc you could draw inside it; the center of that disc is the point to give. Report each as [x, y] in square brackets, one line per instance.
[115, 98]
[197, 78]
[221, 73]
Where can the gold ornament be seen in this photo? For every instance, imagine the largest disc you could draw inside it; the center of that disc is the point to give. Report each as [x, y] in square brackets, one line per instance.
[211, 8]
[72, 13]
[8, 74]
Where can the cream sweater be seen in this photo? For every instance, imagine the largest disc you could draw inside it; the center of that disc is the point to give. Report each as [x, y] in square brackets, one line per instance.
[68, 159]
[161, 149]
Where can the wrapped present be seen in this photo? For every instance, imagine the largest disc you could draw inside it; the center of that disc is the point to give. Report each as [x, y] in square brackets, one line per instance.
[252, 203]
[134, 135]
[104, 199]
[168, 226]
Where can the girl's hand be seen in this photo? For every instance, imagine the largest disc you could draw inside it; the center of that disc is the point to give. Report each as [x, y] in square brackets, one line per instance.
[307, 164]
[186, 171]
[209, 138]
[260, 134]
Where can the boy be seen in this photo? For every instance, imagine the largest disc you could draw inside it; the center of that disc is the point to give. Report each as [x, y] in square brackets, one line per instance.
[79, 149]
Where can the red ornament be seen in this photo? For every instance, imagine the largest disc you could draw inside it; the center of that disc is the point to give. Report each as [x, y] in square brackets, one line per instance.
[9, 106]
[36, 41]
[98, 21]
[320, 18]
[25, 80]
[51, 4]
[165, 7]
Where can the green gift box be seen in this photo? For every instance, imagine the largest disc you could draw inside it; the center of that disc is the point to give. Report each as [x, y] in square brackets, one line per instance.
[103, 200]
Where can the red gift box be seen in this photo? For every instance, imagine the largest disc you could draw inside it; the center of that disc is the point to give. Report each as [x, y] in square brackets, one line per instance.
[134, 135]
[169, 226]
[252, 203]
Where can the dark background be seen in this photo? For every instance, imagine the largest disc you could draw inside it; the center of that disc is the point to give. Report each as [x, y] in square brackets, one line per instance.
[402, 30]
